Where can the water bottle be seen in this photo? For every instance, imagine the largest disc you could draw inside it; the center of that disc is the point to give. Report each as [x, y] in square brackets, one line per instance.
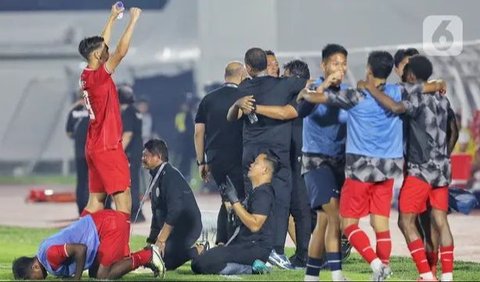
[120, 5]
[252, 117]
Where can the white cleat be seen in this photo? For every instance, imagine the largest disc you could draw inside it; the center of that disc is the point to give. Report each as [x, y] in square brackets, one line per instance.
[383, 273]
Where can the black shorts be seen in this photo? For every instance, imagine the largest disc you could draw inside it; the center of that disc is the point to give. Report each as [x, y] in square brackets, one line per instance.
[323, 183]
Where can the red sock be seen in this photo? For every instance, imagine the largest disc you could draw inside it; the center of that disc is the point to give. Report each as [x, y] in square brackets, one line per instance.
[432, 258]
[384, 246]
[446, 257]
[417, 250]
[141, 258]
[126, 216]
[84, 213]
[360, 241]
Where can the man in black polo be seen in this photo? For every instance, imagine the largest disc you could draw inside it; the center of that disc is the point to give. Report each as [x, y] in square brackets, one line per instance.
[261, 132]
[76, 128]
[218, 143]
[250, 248]
[132, 144]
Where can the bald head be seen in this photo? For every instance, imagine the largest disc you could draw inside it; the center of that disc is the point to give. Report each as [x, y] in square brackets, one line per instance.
[235, 72]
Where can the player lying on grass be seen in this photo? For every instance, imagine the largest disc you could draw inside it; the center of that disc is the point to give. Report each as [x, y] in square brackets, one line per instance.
[97, 242]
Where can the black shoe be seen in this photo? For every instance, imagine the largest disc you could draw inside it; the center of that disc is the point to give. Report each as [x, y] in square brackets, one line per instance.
[346, 248]
[298, 262]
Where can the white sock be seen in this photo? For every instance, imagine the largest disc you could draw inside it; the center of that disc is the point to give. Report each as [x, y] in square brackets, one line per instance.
[337, 275]
[311, 278]
[376, 265]
[427, 275]
[447, 276]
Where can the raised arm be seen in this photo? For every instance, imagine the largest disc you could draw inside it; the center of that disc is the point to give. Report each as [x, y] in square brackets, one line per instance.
[124, 43]
[254, 222]
[285, 112]
[107, 30]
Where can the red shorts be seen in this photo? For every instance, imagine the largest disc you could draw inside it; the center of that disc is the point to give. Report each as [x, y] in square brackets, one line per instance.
[108, 171]
[359, 199]
[114, 234]
[415, 193]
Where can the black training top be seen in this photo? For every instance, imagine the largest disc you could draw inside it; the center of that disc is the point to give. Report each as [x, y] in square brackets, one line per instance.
[260, 201]
[270, 91]
[221, 136]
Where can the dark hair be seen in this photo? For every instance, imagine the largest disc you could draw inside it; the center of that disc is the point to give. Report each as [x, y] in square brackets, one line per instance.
[256, 58]
[332, 49]
[381, 63]
[157, 147]
[273, 160]
[125, 94]
[88, 45]
[420, 66]
[298, 68]
[269, 53]
[402, 53]
[22, 267]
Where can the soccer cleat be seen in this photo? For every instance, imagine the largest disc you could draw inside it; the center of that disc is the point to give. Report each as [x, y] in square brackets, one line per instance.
[346, 248]
[297, 262]
[156, 264]
[383, 273]
[280, 261]
[259, 267]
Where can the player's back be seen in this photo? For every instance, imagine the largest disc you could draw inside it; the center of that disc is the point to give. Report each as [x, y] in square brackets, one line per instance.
[270, 91]
[83, 231]
[101, 99]
[372, 130]
[427, 124]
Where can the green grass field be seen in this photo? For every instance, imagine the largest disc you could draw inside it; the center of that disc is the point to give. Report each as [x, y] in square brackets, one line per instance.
[38, 180]
[15, 242]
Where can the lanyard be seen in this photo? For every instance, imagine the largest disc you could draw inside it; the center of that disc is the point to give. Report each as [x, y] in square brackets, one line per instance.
[154, 179]
[150, 187]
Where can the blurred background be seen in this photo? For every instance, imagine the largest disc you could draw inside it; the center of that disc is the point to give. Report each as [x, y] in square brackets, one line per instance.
[179, 52]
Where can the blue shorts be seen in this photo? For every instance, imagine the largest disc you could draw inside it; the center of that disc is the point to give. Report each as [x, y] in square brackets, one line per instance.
[323, 183]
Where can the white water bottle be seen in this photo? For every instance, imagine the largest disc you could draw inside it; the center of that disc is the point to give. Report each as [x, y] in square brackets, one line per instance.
[120, 5]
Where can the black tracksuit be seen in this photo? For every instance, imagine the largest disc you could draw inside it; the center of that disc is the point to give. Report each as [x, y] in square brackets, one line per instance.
[173, 203]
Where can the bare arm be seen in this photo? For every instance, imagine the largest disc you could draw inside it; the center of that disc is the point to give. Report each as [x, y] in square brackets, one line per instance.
[234, 113]
[277, 112]
[164, 233]
[453, 130]
[107, 30]
[163, 237]
[241, 106]
[200, 141]
[77, 252]
[126, 138]
[314, 97]
[434, 86]
[254, 222]
[124, 43]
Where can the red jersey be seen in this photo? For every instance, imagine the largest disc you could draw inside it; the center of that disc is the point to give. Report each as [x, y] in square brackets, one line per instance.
[101, 100]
